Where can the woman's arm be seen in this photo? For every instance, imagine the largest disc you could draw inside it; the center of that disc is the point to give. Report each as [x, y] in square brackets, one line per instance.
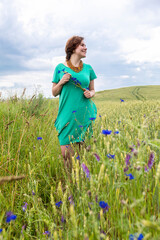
[57, 87]
[91, 92]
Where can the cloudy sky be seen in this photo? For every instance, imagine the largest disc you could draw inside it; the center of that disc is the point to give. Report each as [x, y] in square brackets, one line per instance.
[122, 38]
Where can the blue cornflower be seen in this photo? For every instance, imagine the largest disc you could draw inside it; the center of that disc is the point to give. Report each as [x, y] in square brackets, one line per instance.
[92, 119]
[99, 115]
[58, 204]
[47, 233]
[133, 237]
[1, 230]
[104, 205]
[140, 237]
[106, 132]
[63, 69]
[78, 157]
[39, 138]
[86, 170]
[116, 132]
[10, 216]
[59, 71]
[87, 88]
[130, 176]
[24, 207]
[74, 111]
[33, 193]
[78, 82]
[110, 156]
[122, 100]
[72, 78]
[80, 126]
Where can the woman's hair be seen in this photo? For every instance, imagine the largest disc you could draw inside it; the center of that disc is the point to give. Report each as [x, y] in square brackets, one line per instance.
[71, 45]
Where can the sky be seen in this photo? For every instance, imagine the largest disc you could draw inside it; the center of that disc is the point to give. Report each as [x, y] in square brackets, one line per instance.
[122, 38]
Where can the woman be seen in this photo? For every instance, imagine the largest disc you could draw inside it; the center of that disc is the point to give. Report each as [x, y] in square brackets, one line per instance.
[73, 80]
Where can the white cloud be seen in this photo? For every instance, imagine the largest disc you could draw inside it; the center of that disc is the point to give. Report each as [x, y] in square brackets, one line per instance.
[121, 37]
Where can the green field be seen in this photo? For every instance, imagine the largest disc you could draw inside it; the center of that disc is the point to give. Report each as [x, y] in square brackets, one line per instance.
[132, 205]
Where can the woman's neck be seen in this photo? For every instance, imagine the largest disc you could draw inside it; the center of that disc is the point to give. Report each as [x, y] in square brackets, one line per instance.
[75, 60]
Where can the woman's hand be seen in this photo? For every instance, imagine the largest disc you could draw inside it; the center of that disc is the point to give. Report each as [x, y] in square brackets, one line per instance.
[65, 78]
[88, 94]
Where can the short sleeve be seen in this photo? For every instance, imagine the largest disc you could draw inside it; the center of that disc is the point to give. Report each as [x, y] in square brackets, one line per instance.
[56, 76]
[92, 74]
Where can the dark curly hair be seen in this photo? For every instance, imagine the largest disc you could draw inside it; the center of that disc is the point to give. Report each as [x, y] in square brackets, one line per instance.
[71, 45]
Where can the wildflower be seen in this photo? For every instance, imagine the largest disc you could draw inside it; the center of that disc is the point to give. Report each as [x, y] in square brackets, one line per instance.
[63, 69]
[79, 82]
[99, 115]
[59, 71]
[63, 220]
[130, 176]
[47, 233]
[132, 148]
[97, 156]
[85, 169]
[92, 119]
[132, 237]
[119, 122]
[74, 111]
[151, 160]
[87, 88]
[70, 198]
[58, 204]
[106, 132]
[146, 169]
[10, 216]
[116, 132]
[1, 230]
[121, 100]
[102, 234]
[24, 207]
[33, 193]
[78, 157]
[80, 126]
[104, 205]
[140, 237]
[23, 228]
[128, 157]
[39, 138]
[126, 169]
[110, 156]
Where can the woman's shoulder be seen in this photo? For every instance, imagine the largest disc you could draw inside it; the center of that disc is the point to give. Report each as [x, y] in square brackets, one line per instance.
[88, 66]
[59, 67]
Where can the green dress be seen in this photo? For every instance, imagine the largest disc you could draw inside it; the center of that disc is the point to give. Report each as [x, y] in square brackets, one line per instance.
[76, 112]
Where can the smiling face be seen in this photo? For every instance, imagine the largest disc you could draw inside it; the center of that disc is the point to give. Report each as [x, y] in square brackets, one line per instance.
[81, 50]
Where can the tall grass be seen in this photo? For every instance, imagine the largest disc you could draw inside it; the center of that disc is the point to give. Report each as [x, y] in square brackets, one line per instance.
[133, 204]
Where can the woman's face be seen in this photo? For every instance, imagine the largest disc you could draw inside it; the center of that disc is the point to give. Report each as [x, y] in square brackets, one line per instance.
[81, 50]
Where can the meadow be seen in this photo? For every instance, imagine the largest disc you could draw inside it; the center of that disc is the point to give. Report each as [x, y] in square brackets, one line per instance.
[112, 192]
